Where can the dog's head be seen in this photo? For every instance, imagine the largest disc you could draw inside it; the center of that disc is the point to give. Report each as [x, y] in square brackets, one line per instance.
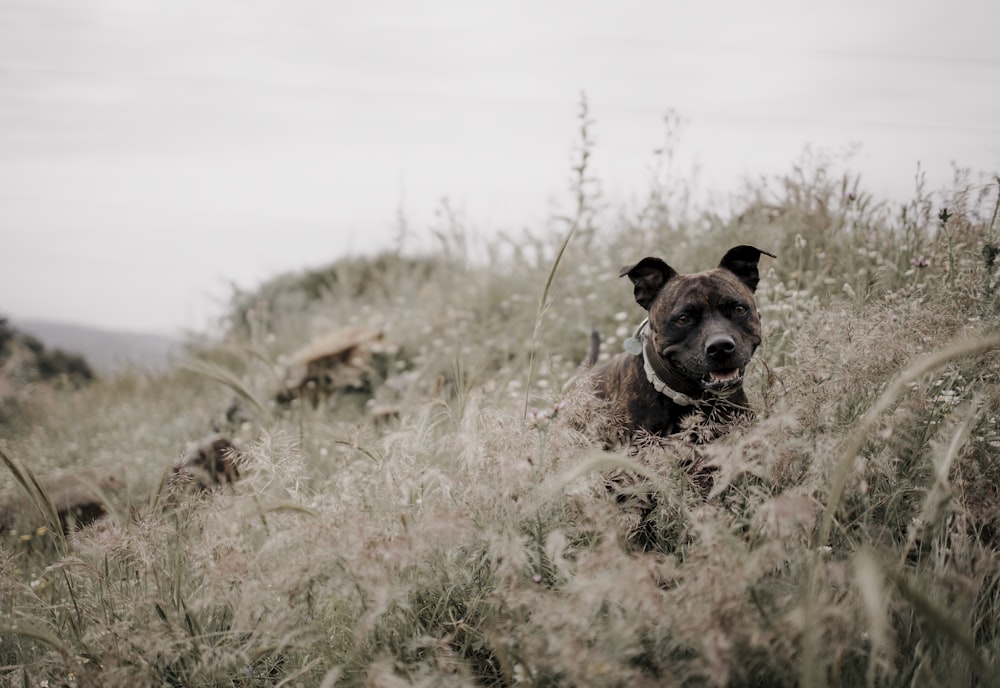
[704, 326]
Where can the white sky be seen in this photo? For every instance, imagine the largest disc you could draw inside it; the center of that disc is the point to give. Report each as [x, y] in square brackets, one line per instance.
[153, 151]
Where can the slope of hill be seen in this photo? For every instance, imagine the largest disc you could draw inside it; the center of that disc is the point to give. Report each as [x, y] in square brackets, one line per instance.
[107, 351]
[29, 370]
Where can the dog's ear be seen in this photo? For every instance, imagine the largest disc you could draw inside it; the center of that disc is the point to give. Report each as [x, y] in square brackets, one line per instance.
[742, 262]
[648, 275]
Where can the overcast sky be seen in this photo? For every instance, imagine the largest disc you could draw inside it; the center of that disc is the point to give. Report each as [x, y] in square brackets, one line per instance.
[154, 151]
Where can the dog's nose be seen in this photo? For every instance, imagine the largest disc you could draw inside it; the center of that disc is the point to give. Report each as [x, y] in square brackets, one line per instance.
[720, 348]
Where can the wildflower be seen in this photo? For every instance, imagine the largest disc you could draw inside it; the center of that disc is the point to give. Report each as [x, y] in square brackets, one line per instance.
[538, 419]
[920, 262]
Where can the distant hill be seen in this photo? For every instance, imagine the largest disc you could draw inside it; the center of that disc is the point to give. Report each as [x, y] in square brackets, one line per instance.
[106, 350]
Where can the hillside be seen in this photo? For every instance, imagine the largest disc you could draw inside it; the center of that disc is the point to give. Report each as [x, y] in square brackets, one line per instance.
[31, 372]
[108, 351]
[413, 497]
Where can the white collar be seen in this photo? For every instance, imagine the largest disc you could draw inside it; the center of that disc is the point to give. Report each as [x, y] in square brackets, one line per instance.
[659, 385]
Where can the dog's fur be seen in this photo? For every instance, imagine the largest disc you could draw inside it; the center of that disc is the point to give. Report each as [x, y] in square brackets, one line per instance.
[701, 331]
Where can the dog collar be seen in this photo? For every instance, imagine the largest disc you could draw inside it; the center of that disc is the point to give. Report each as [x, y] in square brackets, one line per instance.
[641, 344]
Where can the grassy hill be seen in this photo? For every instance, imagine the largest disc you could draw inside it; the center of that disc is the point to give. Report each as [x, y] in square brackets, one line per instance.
[108, 351]
[30, 373]
[477, 535]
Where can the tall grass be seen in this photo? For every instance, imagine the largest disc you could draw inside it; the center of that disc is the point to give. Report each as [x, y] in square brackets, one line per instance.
[849, 536]
[582, 217]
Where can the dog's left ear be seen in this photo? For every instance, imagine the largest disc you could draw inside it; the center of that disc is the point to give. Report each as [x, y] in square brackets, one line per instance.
[648, 275]
[742, 262]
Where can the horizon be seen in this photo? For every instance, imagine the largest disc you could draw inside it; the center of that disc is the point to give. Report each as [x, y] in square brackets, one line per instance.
[152, 156]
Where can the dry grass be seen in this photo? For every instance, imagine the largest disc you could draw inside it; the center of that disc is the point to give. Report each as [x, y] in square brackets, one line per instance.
[849, 536]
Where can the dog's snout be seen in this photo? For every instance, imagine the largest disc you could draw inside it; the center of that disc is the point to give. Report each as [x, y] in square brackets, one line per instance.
[720, 348]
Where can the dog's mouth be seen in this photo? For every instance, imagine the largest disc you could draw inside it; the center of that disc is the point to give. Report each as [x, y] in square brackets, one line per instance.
[721, 379]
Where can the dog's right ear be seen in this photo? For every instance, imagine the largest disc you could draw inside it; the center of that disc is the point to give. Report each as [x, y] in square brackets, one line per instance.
[648, 275]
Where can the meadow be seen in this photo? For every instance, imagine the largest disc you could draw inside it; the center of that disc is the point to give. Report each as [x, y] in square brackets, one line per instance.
[478, 535]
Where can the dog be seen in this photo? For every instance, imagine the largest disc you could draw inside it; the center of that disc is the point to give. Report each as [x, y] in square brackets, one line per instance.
[693, 348]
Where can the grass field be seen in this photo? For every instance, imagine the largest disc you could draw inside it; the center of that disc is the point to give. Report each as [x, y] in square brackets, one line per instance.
[850, 536]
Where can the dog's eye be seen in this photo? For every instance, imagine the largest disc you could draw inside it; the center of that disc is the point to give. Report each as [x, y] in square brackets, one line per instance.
[682, 319]
[740, 309]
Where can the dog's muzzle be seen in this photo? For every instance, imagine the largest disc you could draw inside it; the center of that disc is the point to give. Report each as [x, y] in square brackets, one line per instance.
[665, 381]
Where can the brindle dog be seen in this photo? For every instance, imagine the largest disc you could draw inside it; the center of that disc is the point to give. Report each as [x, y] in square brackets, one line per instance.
[692, 350]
